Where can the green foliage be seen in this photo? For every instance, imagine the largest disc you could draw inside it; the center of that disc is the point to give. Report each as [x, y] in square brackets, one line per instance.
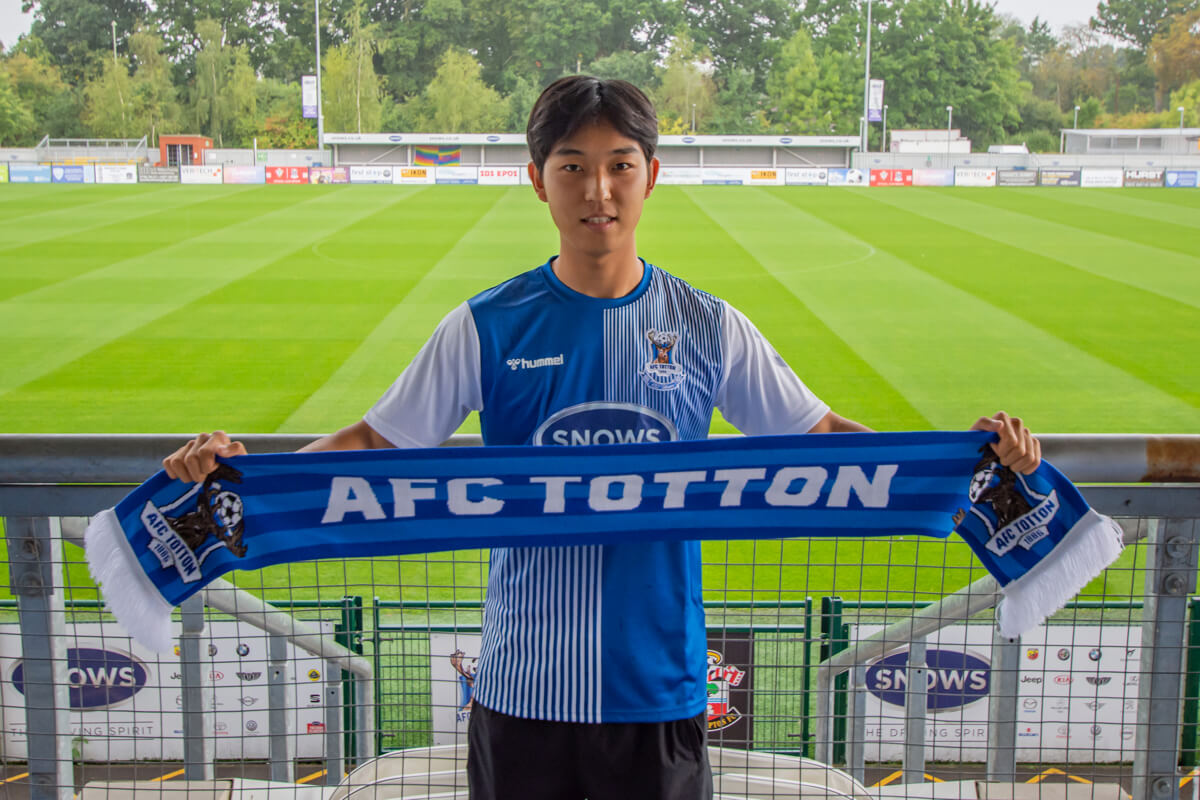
[1187, 96]
[741, 34]
[686, 90]
[15, 119]
[739, 108]
[351, 90]
[808, 96]
[457, 99]
[636, 67]
[155, 108]
[1040, 141]
[1089, 112]
[109, 112]
[1138, 21]
[74, 31]
[222, 89]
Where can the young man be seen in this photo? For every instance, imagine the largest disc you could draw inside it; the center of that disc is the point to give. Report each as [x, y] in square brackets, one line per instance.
[591, 680]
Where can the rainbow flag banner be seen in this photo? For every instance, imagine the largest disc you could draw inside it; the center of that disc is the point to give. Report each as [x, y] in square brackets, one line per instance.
[433, 155]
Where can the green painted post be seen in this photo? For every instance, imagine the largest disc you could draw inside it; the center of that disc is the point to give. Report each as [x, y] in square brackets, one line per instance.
[1191, 689]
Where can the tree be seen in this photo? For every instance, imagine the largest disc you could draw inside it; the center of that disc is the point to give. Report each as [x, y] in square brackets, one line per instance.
[242, 23]
[738, 107]
[73, 31]
[808, 96]
[1138, 21]
[15, 118]
[686, 89]
[1175, 54]
[155, 107]
[222, 88]
[457, 99]
[636, 67]
[52, 104]
[741, 34]
[109, 109]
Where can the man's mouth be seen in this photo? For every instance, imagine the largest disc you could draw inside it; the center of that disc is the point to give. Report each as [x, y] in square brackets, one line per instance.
[598, 220]
[599, 224]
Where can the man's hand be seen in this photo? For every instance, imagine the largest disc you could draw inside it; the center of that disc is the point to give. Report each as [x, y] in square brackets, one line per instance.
[1019, 450]
[196, 459]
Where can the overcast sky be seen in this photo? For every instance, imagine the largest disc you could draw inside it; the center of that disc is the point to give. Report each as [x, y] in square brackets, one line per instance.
[1057, 12]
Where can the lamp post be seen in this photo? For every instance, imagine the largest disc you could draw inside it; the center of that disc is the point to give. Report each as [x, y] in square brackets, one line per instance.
[1180, 109]
[866, 81]
[693, 117]
[949, 124]
[114, 38]
[1075, 124]
[883, 141]
[317, 40]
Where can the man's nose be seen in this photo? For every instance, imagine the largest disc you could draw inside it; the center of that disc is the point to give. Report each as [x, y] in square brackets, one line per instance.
[599, 186]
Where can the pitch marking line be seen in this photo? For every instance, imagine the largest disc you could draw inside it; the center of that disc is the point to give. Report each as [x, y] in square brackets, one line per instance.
[167, 777]
[313, 777]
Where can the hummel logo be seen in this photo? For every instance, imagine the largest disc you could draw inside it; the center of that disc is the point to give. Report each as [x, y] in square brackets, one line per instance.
[523, 363]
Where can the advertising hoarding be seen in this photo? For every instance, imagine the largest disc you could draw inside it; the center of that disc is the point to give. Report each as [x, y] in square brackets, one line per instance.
[287, 175]
[1181, 179]
[1016, 177]
[328, 174]
[70, 173]
[208, 173]
[3, 173]
[116, 173]
[933, 176]
[891, 177]
[724, 176]
[806, 176]
[456, 175]
[846, 177]
[1102, 177]
[126, 701]
[413, 175]
[974, 176]
[149, 174]
[1144, 177]
[1059, 177]
[500, 176]
[371, 173]
[234, 173]
[766, 177]
[1077, 694]
[29, 173]
[685, 176]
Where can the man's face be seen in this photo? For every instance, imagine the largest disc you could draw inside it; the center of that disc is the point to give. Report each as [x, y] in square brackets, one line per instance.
[595, 182]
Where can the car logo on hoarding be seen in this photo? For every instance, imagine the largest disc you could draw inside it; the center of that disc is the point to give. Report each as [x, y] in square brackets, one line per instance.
[243, 649]
[1032, 653]
[493, 138]
[1035, 680]
[1098, 680]
[1064, 654]
[953, 678]
[249, 676]
[96, 677]
[1063, 680]
[1094, 654]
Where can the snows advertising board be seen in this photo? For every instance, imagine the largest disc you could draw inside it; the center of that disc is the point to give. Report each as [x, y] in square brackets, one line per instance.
[371, 173]
[891, 177]
[29, 173]
[1077, 694]
[190, 173]
[413, 175]
[1102, 177]
[1016, 177]
[806, 176]
[680, 176]
[126, 701]
[1058, 177]
[1144, 177]
[974, 176]
[725, 176]
[846, 177]
[766, 177]
[116, 173]
[499, 176]
[932, 176]
[1181, 179]
[290, 175]
[454, 175]
[243, 174]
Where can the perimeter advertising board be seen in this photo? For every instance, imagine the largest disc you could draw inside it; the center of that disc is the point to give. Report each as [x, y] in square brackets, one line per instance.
[287, 175]
[1016, 177]
[29, 173]
[116, 173]
[454, 658]
[806, 176]
[1181, 179]
[71, 173]
[974, 176]
[328, 174]
[456, 175]
[1076, 699]
[1102, 177]
[766, 177]
[413, 175]
[846, 177]
[500, 176]
[1059, 177]
[891, 177]
[3, 173]
[148, 174]
[207, 173]
[126, 700]
[725, 176]
[236, 173]
[371, 173]
[932, 176]
[683, 176]
[1144, 177]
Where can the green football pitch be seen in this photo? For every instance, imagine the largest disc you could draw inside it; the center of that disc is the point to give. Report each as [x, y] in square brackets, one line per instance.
[160, 308]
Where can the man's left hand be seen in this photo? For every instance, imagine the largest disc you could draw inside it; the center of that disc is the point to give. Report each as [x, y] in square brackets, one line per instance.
[1019, 450]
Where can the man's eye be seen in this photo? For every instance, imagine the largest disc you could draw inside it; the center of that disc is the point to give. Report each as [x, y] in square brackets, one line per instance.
[623, 165]
[572, 168]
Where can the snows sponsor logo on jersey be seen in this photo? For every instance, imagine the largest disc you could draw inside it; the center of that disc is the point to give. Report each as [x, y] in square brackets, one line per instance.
[661, 373]
[605, 423]
[524, 363]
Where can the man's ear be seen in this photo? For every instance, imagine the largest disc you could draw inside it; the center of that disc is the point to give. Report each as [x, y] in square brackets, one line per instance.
[652, 178]
[535, 177]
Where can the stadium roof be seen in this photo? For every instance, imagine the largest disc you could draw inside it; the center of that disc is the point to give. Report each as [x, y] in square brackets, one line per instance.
[699, 140]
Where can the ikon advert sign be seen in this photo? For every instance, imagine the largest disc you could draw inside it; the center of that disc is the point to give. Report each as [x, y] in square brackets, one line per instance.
[1077, 694]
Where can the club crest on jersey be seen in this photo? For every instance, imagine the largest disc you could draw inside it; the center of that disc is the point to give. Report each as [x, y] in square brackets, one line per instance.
[661, 373]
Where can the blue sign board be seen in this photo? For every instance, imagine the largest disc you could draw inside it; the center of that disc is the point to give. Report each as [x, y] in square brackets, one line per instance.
[29, 173]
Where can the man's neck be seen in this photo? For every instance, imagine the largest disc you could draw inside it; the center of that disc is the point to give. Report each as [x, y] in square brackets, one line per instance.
[609, 276]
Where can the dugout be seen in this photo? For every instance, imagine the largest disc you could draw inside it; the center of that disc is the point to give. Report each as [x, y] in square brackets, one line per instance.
[1131, 141]
[510, 150]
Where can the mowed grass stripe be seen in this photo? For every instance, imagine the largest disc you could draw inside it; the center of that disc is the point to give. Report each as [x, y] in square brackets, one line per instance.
[95, 373]
[1134, 203]
[23, 202]
[691, 225]
[1168, 273]
[1082, 210]
[1072, 304]
[1187, 198]
[921, 334]
[488, 235]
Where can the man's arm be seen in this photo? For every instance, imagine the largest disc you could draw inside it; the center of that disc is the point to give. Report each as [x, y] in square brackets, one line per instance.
[834, 423]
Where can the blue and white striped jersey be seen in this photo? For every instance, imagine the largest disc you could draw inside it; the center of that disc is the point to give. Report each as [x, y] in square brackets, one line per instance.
[610, 633]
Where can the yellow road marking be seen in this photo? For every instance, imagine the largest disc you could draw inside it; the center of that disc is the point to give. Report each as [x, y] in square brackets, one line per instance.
[889, 778]
[929, 777]
[15, 778]
[1044, 774]
[312, 777]
[167, 777]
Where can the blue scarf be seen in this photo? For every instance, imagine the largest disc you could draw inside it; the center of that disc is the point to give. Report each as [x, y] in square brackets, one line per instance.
[167, 539]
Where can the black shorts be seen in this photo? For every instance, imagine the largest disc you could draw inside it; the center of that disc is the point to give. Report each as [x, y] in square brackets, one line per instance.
[511, 757]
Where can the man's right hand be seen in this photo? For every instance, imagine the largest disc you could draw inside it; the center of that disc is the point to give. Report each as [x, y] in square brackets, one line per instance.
[196, 459]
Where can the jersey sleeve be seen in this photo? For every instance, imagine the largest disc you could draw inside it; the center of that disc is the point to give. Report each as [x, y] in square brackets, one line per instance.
[759, 393]
[436, 392]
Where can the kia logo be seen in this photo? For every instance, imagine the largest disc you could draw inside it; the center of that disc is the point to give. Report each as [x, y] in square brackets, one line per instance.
[1062, 680]
[952, 678]
[97, 678]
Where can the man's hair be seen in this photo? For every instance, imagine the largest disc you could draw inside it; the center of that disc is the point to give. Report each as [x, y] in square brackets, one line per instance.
[569, 103]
